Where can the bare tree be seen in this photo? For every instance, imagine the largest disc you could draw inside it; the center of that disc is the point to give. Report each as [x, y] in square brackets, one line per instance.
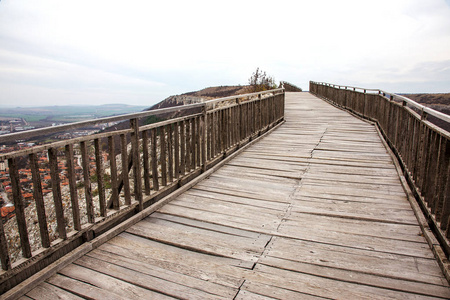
[259, 81]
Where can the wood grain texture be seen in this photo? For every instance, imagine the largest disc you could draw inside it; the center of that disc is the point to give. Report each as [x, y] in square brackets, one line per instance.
[314, 210]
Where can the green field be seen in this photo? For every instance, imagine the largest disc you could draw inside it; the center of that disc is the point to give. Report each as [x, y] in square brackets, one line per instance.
[66, 114]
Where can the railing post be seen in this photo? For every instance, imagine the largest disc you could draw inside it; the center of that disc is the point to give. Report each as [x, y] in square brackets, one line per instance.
[203, 128]
[73, 187]
[134, 124]
[39, 200]
[19, 208]
[4, 255]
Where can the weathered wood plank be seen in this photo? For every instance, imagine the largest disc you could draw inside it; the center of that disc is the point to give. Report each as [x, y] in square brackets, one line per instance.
[82, 289]
[100, 175]
[163, 273]
[47, 291]
[357, 277]
[73, 187]
[87, 182]
[154, 160]
[146, 162]
[107, 278]
[125, 169]
[39, 199]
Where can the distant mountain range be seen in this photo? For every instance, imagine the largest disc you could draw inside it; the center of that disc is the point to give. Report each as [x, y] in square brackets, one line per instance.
[47, 115]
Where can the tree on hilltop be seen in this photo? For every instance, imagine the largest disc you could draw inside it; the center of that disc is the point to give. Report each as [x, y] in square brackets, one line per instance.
[260, 81]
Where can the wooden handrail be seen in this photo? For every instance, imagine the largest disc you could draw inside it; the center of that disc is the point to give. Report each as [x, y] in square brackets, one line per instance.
[422, 148]
[154, 159]
[411, 102]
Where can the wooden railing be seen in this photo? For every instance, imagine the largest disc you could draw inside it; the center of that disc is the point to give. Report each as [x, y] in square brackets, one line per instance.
[422, 148]
[97, 181]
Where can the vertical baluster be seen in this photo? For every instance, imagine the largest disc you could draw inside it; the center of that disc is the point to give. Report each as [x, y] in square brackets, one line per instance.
[183, 147]
[213, 121]
[39, 199]
[125, 177]
[73, 187]
[56, 191]
[87, 182]
[425, 160]
[188, 145]
[440, 176]
[432, 169]
[134, 124]
[100, 177]
[113, 168]
[4, 254]
[19, 207]
[154, 160]
[203, 128]
[146, 162]
[170, 152]
[445, 218]
[176, 137]
[163, 155]
[193, 143]
[198, 137]
[208, 137]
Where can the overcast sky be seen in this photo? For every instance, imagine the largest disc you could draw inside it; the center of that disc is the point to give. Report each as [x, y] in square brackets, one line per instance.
[55, 52]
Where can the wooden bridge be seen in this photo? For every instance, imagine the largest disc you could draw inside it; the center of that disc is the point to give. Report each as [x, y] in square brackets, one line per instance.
[317, 206]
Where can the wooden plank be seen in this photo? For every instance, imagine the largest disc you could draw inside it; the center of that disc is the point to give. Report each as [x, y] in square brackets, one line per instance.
[359, 260]
[172, 276]
[170, 152]
[305, 222]
[125, 169]
[100, 176]
[39, 200]
[355, 210]
[88, 270]
[177, 149]
[73, 187]
[140, 285]
[56, 192]
[211, 226]
[113, 169]
[264, 225]
[154, 161]
[198, 141]
[199, 240]
[4, 254]
[163, 155]
[219, 270]
[146, 161]
[228, 208]
[420, 288]
[243, 294]
[321, 287]
[228, 197]
[82, 289]
[87, 182]
[46, 291]
[188, 145]
[193, 149]
[19, 207]
[134, 124]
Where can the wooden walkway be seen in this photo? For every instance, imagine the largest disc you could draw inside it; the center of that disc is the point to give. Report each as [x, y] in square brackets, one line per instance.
[314, 210]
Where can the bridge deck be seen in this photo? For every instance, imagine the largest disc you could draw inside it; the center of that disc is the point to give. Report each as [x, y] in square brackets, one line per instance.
[316, 209]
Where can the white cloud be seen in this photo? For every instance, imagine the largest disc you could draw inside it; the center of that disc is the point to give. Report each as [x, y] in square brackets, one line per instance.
[147, 50]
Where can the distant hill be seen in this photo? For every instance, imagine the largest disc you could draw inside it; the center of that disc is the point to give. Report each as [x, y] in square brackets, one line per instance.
[439, 102]
[47, 115]
[194, 97]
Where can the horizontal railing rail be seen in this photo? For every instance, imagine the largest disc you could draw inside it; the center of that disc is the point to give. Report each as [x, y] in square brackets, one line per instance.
[422, 148]
[67, 192]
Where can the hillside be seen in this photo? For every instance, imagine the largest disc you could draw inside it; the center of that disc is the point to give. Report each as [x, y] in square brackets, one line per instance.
[439, 102]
